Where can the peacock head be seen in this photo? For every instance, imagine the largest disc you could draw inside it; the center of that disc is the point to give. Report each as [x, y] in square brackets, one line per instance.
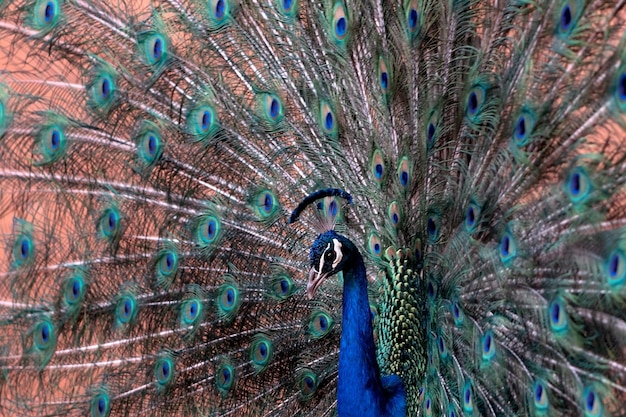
[330, 253]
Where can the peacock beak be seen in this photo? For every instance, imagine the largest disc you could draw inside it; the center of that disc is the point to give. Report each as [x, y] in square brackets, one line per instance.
[315, 280]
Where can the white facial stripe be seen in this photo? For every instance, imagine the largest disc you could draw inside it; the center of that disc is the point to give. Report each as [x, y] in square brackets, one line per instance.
[338, 254]
[319, 270]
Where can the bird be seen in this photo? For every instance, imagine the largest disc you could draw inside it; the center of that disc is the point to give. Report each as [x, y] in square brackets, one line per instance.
[321, 208]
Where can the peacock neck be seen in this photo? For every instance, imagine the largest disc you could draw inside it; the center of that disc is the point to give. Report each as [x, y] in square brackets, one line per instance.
[359, 391]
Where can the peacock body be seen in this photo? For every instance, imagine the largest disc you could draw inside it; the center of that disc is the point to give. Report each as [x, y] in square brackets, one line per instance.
[151, 154]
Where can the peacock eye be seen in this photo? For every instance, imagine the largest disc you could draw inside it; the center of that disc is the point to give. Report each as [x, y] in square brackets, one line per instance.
[329, 256]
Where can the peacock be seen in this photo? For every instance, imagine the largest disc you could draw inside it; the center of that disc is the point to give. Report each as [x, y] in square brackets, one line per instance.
[313, 208]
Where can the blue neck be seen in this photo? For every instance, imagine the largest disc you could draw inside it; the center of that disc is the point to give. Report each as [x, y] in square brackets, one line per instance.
[360, 390]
